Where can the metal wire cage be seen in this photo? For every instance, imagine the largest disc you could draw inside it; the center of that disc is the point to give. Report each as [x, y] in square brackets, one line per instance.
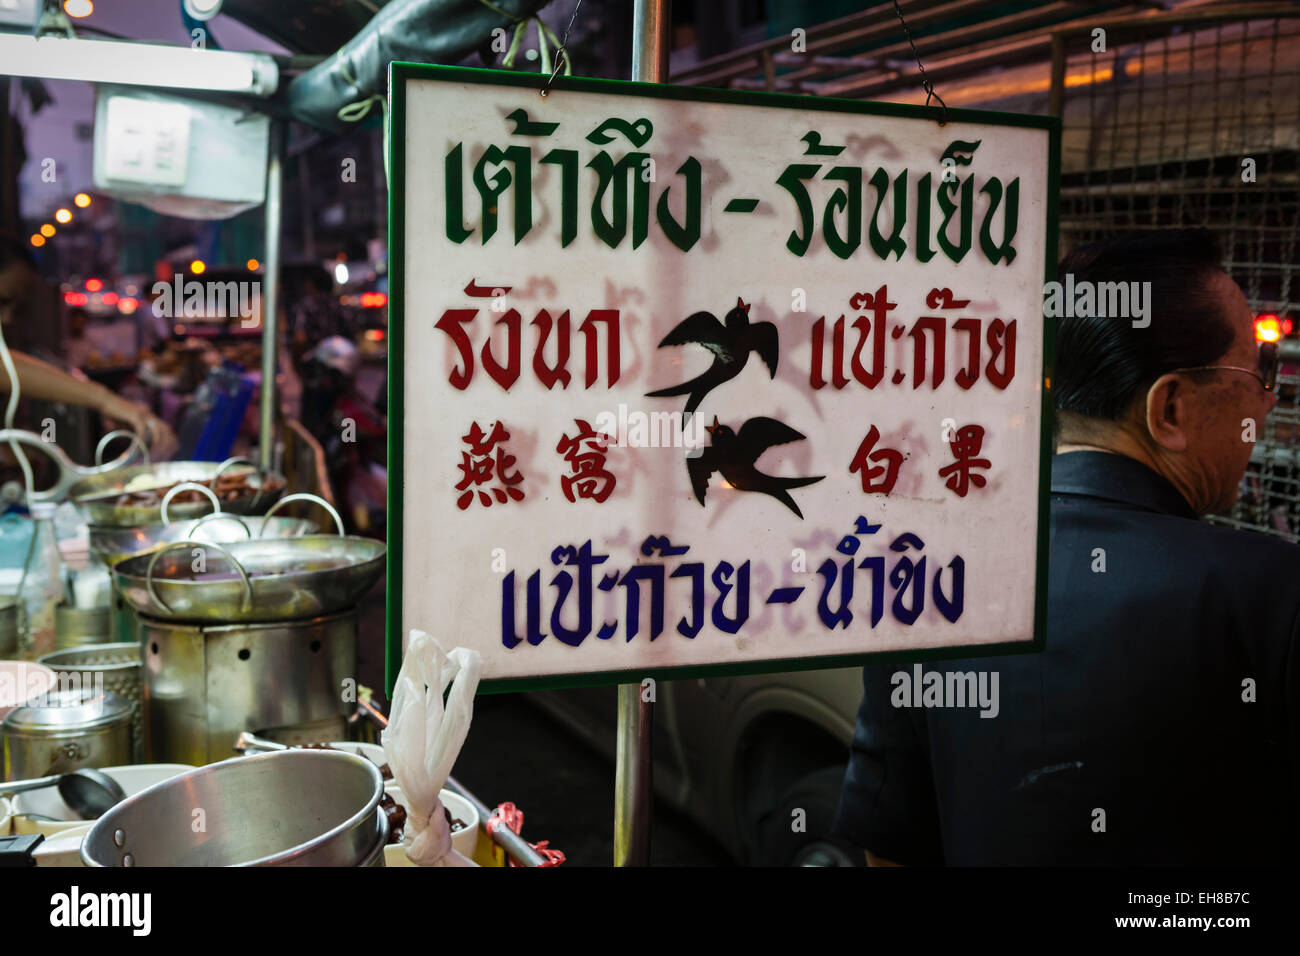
[1196, 122]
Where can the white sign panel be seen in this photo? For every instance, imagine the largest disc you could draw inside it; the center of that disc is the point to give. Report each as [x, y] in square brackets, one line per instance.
[688, 379]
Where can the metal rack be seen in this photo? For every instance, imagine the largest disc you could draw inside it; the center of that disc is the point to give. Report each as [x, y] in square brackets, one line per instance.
[1155, 135]
[1154, 132]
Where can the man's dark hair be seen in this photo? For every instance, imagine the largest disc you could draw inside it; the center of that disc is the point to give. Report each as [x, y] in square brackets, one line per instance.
[1102, 364]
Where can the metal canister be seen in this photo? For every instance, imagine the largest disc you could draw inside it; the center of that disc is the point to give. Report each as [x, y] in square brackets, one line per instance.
[119, 667]
[80, 626]
[66, 731]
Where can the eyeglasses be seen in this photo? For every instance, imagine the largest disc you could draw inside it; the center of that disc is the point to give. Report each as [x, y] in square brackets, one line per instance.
[1265, 371]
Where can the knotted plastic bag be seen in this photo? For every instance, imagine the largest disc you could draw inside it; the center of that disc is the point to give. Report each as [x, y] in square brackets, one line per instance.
[424, 737]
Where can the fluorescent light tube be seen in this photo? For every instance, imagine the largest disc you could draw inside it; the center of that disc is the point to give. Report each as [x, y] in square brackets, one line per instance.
[138, 64]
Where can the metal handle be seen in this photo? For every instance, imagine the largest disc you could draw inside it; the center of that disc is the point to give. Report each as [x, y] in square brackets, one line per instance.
[69, 472]
[365, 709]
[22, 786]
[122, 460]
[218, 516]
[157, 598]
[303, 496]
[261, 473]
[188, 486]
[235, 460]
[246, 742]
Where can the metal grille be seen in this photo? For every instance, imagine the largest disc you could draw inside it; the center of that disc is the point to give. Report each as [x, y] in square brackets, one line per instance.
[1155, 134]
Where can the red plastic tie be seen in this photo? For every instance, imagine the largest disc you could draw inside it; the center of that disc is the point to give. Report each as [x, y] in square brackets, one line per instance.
[512, 817]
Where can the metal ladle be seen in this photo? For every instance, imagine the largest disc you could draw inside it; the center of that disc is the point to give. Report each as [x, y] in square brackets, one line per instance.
[88, 793]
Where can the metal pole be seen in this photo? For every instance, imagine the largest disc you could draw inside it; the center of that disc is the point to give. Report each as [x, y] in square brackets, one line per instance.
[650, 22]
[271, 291]
[633, 775]
[516, 847]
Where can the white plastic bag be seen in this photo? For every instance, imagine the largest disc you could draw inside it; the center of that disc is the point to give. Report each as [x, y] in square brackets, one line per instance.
[423, 739]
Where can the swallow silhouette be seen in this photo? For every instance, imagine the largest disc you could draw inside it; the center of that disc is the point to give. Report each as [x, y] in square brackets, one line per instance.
[730, 345]
[734, 455]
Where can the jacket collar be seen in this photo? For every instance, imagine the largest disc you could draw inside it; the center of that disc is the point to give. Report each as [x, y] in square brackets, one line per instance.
[1113, 477]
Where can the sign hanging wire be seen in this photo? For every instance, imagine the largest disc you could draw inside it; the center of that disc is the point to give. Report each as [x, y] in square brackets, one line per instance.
[543, 34]
[925, 80]
[563, 50]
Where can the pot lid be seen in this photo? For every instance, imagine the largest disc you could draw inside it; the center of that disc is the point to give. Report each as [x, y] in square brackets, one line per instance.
[69, 710]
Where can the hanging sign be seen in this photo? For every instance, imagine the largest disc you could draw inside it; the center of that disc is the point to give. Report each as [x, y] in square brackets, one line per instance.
[690, 381]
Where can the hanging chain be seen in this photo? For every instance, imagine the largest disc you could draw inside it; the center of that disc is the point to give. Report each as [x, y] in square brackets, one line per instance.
[925, 80]
[563, 50]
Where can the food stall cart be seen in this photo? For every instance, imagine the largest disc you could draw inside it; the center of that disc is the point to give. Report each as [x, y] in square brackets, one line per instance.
[236, 620]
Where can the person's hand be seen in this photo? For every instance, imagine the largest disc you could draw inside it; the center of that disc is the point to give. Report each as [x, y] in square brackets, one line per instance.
[152, 430]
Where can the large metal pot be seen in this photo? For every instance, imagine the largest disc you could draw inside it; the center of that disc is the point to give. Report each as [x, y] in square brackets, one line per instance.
[204, 684]
[69, 730]
[285, 808]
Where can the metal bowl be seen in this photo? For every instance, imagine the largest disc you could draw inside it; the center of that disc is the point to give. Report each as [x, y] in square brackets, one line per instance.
[285, 808]
[112, 545]
[277, 579]
[97, 496]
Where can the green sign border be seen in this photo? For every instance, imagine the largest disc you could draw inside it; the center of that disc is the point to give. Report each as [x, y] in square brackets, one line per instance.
[399, 73]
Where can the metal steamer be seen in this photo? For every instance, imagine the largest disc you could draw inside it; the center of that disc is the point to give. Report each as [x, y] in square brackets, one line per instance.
[258, 634]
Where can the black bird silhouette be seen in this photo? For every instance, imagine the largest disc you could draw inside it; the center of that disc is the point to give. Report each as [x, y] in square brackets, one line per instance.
[734, 456]
[730, 345]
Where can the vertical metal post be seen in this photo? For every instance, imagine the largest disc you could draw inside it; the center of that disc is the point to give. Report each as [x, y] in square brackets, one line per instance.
[1056, 92]
[271, 291]
[633, 775]
[650, 23]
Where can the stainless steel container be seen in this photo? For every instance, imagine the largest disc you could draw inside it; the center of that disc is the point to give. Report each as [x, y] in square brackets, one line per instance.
[65, 731]
[81, 626]
[204, 684]
[120, 668]
[285, 808]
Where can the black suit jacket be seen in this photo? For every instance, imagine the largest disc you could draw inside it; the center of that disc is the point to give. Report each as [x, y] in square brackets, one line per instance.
[1132, 739]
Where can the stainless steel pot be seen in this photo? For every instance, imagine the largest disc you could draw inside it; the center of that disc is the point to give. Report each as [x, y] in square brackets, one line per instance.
[285, 808]
[65, 731]
[204, 684]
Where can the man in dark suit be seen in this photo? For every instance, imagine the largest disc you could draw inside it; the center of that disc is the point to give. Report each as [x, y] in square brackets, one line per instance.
[1160, 725]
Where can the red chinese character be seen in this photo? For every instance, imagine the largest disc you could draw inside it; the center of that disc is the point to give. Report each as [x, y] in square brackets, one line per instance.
[589, 478]
[485, 460]
[885, 460]
[965, 446]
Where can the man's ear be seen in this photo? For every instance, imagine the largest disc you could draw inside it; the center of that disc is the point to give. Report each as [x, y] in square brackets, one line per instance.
[1168, 412]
